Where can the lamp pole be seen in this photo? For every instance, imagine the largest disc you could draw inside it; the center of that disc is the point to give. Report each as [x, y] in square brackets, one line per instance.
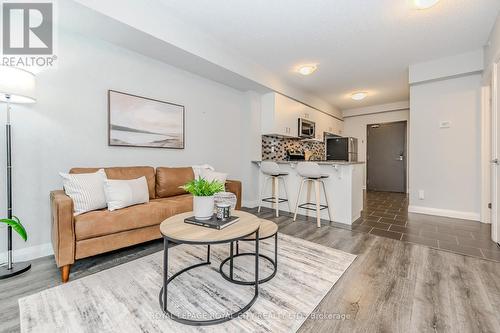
[9, 185]
[10, 269]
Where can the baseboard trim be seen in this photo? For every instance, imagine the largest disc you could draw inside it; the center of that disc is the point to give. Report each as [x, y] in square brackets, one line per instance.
[445, 212]
[29, 253]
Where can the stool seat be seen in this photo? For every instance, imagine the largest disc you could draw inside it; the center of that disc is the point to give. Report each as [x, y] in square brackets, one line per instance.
[266, 230]
[276, 174]
[322, 176]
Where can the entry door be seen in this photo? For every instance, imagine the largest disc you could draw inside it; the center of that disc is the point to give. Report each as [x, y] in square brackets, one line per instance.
[495, 152]
[386, 157]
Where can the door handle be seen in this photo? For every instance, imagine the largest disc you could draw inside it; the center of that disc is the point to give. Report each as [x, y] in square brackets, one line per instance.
[400, 158]
[495, 161]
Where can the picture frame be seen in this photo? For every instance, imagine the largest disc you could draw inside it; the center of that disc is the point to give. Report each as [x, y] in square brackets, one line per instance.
[137, 121]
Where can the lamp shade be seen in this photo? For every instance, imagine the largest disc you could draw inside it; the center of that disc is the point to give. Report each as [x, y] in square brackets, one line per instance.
[17, 84]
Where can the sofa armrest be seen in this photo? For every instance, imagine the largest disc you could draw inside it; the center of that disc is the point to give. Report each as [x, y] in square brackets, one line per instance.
[234, 186]
[63, 228]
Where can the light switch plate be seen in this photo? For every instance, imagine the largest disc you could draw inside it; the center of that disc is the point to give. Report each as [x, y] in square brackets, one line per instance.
[421, 195]
[445, 124]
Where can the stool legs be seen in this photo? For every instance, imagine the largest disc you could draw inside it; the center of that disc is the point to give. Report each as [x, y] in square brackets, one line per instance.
[262, 192]
[298, 199]
[276, 191]
[318, 185]
[318, 201]
[309, 188]
[286, 194]
[275, 196]
[326, 199]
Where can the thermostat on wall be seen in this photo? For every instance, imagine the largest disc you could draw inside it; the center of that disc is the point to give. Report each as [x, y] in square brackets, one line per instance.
[445, 124]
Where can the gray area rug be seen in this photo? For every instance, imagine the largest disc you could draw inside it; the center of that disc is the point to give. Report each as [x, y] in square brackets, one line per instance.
[125, 298]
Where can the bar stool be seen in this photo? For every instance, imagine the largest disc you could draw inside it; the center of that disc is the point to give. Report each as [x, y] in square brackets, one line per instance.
[311, 174]
[271, 171]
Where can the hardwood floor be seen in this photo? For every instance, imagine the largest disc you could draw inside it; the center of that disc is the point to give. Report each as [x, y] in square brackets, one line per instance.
[386, 214]
[393, 286]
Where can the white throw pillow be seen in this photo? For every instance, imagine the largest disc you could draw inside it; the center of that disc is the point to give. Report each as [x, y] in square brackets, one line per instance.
[124, 193]
[214, 175]
[86, 190]
[199, 169]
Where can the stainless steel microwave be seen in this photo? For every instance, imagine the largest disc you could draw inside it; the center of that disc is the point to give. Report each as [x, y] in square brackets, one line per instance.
[307, 129]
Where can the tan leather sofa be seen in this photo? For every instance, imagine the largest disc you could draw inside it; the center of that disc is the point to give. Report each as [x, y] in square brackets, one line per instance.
[91, 233]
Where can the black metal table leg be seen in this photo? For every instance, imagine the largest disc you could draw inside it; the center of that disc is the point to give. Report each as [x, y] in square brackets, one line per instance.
[165, 272]
[231, 257]
[208, 254]
[276, 251]
[231, 261]
[256, 263]
[166, 280]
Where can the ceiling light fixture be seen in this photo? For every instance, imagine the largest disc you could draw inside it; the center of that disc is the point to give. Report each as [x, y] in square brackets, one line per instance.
[358, 96]
[307, 69]
[425, 4]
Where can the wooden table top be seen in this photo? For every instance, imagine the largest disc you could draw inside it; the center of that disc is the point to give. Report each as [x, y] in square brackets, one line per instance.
[267, 229]
[175, 229]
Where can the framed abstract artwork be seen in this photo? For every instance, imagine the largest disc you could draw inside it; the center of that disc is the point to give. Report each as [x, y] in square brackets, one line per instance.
[136, 121]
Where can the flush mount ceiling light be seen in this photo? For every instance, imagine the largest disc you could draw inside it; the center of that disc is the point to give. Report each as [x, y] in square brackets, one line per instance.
[357, 96]
[307, 69]
[424, 4]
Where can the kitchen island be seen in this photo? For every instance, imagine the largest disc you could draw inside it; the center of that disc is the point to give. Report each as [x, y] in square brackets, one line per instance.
[344, 188]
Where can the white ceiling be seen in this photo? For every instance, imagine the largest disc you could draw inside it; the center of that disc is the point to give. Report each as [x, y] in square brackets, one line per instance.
[359, 44]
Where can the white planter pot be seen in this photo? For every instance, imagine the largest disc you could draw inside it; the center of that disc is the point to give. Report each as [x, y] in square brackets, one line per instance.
[203, 207]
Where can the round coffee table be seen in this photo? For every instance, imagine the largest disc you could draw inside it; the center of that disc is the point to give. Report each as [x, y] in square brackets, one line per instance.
[267, 230]
[175, 230]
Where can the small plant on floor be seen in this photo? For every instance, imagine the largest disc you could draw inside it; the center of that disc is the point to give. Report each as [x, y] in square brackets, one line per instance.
[16, 225]
[203, 188]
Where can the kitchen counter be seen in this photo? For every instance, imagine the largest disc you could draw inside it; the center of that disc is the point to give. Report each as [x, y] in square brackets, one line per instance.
[319, 162]
[344, 188]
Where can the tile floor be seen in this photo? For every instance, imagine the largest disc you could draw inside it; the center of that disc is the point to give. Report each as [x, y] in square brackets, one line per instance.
[386, 214]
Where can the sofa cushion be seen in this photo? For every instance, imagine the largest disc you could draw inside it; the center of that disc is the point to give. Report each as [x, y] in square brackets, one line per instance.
[179, 203]
[168, 181]
[126, 173]
[105, 222]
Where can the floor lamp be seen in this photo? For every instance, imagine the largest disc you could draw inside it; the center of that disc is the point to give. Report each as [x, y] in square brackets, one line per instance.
[16, 86]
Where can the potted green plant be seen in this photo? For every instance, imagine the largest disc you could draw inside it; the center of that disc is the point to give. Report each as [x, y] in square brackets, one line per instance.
[203, 196]
[16, 225]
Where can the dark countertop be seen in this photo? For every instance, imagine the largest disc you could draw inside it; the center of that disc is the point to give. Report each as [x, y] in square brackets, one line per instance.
[319, 162]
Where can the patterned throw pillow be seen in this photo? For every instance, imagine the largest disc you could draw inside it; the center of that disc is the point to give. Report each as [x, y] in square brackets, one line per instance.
[86, 190]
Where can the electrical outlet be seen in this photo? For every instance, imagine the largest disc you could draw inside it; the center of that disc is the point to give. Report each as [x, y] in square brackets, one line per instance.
[421, 195]
[273, 149]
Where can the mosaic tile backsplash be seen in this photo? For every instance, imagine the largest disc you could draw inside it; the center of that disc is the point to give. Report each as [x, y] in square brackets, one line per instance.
[282, 145]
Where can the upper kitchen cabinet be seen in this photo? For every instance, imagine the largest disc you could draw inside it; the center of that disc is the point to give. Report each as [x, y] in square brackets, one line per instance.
[280, 116]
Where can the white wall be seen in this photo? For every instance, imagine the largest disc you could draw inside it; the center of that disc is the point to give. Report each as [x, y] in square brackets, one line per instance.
[492, 50]
[355, 126]
[445, 162]
[251, 149]
[153, 18]
[395, 106]
[460, 64]
[67, 127]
